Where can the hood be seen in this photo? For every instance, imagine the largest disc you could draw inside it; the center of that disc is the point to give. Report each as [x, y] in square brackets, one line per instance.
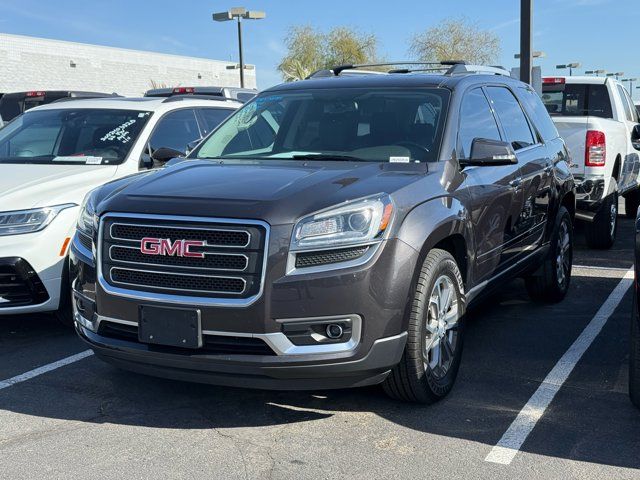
[30, 186]
[277, 192]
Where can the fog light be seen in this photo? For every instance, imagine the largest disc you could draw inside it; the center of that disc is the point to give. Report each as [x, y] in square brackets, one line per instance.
[334, 331]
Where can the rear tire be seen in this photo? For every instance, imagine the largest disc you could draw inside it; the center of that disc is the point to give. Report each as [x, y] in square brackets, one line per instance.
[631, 204]
[634, 360]
[551, 282]
[601, 233]
[431, 359]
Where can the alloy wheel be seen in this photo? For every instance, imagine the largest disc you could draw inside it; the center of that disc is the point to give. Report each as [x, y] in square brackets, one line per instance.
[441, 327]
[563, 254]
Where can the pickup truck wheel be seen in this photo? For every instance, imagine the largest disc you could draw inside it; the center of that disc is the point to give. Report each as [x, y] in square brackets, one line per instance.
[634, 360]
[631, 204]
[551, 282]
[601, 233]
[431, 359]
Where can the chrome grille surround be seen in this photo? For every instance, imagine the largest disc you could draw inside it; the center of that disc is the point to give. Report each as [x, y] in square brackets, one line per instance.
[176, 296]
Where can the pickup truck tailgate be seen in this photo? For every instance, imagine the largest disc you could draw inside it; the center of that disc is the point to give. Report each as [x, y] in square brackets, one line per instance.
[574, 132]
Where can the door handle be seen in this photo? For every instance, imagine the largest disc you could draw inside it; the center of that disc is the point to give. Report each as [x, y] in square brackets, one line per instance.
[515, 183]
[548, 168]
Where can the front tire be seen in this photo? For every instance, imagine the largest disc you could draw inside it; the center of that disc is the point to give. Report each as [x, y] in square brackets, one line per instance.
[601, 233]
[551, 282]
[431, 359]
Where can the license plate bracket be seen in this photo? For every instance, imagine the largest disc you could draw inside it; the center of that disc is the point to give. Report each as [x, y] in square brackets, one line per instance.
[172, 327]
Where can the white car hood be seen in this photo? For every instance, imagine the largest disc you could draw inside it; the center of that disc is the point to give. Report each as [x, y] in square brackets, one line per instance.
[31, 186]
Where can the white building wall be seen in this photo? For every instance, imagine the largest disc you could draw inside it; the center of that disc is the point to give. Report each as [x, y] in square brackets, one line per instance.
[29, 63]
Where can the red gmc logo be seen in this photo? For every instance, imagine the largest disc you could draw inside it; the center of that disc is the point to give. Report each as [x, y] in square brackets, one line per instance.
[164, 246]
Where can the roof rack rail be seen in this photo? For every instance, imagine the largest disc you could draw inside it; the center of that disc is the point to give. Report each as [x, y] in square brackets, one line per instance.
[336, 71]
[464, 69]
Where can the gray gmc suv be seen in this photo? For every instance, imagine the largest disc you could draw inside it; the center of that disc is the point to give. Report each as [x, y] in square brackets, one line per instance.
[331, 233]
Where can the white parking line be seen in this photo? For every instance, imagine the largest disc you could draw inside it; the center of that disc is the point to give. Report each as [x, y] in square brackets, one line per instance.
[44, 369]
[512, 440]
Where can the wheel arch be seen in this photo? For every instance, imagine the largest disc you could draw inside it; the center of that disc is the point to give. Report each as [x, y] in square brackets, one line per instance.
[440, 223]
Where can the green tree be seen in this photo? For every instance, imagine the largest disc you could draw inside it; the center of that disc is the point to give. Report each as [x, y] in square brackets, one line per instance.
[309, 50]
[456, 39]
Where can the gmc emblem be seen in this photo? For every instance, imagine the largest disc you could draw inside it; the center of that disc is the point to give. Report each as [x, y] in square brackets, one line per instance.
[164, 246]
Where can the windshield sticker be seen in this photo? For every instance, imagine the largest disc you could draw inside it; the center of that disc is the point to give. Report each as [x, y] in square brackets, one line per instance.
[120, 133]
[399, 159]
[70, 158]
[87, 160]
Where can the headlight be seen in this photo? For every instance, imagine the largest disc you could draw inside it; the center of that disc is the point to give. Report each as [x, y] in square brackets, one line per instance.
[29, 221]
[86, 219]
[356, 222]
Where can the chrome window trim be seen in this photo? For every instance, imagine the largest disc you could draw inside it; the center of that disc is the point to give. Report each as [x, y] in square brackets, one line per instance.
[182, 228]
[182, 299]
[178, 274]
[246, 260]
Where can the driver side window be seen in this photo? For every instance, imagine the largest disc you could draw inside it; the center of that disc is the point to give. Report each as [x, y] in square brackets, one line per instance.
[176, 130]
[476, 121]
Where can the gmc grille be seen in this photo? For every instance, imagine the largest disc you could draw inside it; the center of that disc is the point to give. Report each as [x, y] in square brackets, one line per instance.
[231, 266]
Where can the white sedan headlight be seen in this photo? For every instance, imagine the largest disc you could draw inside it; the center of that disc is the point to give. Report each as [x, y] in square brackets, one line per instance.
[357, 222]
[29, 221]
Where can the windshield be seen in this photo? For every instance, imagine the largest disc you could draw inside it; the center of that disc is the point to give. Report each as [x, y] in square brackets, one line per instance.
[577, 100]
[372, 124]
[65, 136]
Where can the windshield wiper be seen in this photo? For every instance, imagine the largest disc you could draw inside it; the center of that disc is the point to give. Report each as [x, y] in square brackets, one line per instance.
[327, 156]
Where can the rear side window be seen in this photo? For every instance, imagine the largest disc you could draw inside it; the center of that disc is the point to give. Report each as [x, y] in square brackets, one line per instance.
[176, 130]
[629, 108]
[476, 121]
[538, 113]
[513, 120]
[577, 100]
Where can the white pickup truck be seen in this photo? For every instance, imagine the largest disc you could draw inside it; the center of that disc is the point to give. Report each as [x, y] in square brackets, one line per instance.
[600, 126]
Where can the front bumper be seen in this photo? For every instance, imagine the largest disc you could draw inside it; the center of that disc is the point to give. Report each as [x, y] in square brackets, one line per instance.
[255, 371]
[374, 295]
[41, 251]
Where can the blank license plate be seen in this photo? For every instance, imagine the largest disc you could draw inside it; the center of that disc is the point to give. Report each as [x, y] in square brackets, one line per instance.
[173, 327]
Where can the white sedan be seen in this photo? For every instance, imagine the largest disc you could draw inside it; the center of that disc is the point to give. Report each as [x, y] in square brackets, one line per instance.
[52, 155]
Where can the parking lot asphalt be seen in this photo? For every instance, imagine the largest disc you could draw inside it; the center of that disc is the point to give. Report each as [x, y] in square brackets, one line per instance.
[90, 420]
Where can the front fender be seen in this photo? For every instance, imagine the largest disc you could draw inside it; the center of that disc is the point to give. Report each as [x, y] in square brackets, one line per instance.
[436, 220]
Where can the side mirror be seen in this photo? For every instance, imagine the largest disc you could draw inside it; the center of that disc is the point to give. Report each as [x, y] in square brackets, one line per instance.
[490, 153]
[164, 154]
[192, 145]
[635, 133]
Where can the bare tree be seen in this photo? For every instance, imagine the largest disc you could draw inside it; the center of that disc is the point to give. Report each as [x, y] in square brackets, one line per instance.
[456, 39]
[310, 50]
[156, 84]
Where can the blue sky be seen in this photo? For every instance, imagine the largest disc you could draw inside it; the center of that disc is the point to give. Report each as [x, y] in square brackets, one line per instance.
[599, 33]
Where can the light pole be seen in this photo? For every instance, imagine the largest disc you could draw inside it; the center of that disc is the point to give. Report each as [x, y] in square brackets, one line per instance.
[570, 66]
[239, 13]
[617, 75]
[526, 39]
[595, 72]
[630, 80]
